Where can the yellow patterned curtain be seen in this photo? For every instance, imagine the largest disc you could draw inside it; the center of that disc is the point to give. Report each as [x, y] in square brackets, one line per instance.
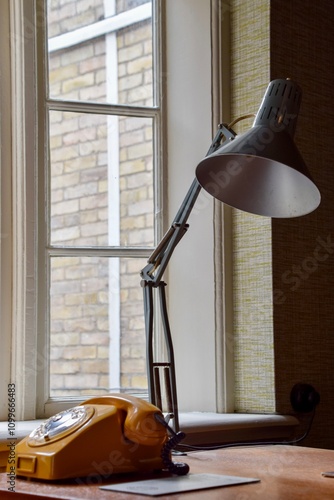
[252, 262]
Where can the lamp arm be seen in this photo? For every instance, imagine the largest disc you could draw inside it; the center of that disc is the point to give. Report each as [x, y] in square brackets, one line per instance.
[158, 260]
[152, 278]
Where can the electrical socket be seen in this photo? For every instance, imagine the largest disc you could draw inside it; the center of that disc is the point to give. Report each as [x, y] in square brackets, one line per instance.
[304, 398]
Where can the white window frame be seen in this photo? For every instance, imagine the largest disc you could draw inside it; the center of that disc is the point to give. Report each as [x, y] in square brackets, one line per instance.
[5, 205]
[47, 405]
[191, 294]
[19, 277]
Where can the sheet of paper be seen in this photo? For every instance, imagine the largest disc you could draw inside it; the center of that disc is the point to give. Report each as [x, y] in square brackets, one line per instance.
[178, 484]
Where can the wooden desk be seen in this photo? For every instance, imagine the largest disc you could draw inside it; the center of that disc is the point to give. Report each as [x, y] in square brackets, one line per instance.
[286, 472]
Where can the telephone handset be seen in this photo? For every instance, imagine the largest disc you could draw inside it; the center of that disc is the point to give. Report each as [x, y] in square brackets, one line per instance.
[102, 436]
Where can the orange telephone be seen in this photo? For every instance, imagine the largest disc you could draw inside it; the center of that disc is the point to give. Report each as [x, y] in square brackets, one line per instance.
[103, 436]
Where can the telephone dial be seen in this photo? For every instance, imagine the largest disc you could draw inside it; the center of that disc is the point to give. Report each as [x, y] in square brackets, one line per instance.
[105, 435]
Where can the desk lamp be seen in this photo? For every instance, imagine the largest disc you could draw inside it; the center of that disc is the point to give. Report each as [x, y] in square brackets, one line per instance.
[260, 172]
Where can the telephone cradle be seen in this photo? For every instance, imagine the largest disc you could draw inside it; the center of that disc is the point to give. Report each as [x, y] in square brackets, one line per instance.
[102, 436]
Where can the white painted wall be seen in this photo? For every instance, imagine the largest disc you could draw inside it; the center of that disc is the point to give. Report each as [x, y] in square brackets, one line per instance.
[191, 271]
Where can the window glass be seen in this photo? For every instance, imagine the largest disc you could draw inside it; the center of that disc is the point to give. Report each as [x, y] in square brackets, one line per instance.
[101, 51]
[97, 326]
[101, 175]
[101, 199]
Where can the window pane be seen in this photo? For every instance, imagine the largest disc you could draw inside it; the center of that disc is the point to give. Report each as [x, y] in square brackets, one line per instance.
[97, 341]
[101, 179]
[123, 5]
[100, 51]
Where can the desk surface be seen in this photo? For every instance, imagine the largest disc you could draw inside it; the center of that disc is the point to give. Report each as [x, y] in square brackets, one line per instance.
[286, 472]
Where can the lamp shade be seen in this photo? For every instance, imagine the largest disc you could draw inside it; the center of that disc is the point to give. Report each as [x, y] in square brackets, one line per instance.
[262, 171]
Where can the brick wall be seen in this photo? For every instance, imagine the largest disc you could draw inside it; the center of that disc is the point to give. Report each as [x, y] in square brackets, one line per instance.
[87, 291]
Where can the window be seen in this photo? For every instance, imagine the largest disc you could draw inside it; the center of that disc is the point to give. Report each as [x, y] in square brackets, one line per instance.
[103, 119]
[94, 128]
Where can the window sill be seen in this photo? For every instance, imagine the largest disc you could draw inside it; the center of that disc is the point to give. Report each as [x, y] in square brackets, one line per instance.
[214, 428]
[22, 429]
[200, 429]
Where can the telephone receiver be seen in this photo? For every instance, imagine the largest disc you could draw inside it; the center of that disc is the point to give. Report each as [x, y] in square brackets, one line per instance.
[103, 436]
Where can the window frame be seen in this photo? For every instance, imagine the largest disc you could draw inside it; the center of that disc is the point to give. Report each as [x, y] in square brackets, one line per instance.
[47, 405]
[5, 205]
[24, 358]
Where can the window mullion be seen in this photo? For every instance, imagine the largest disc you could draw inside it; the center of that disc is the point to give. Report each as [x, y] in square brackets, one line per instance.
[134, 252]
[103, 109]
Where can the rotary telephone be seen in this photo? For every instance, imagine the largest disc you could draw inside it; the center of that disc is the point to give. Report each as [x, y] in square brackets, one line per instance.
[103, 436]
